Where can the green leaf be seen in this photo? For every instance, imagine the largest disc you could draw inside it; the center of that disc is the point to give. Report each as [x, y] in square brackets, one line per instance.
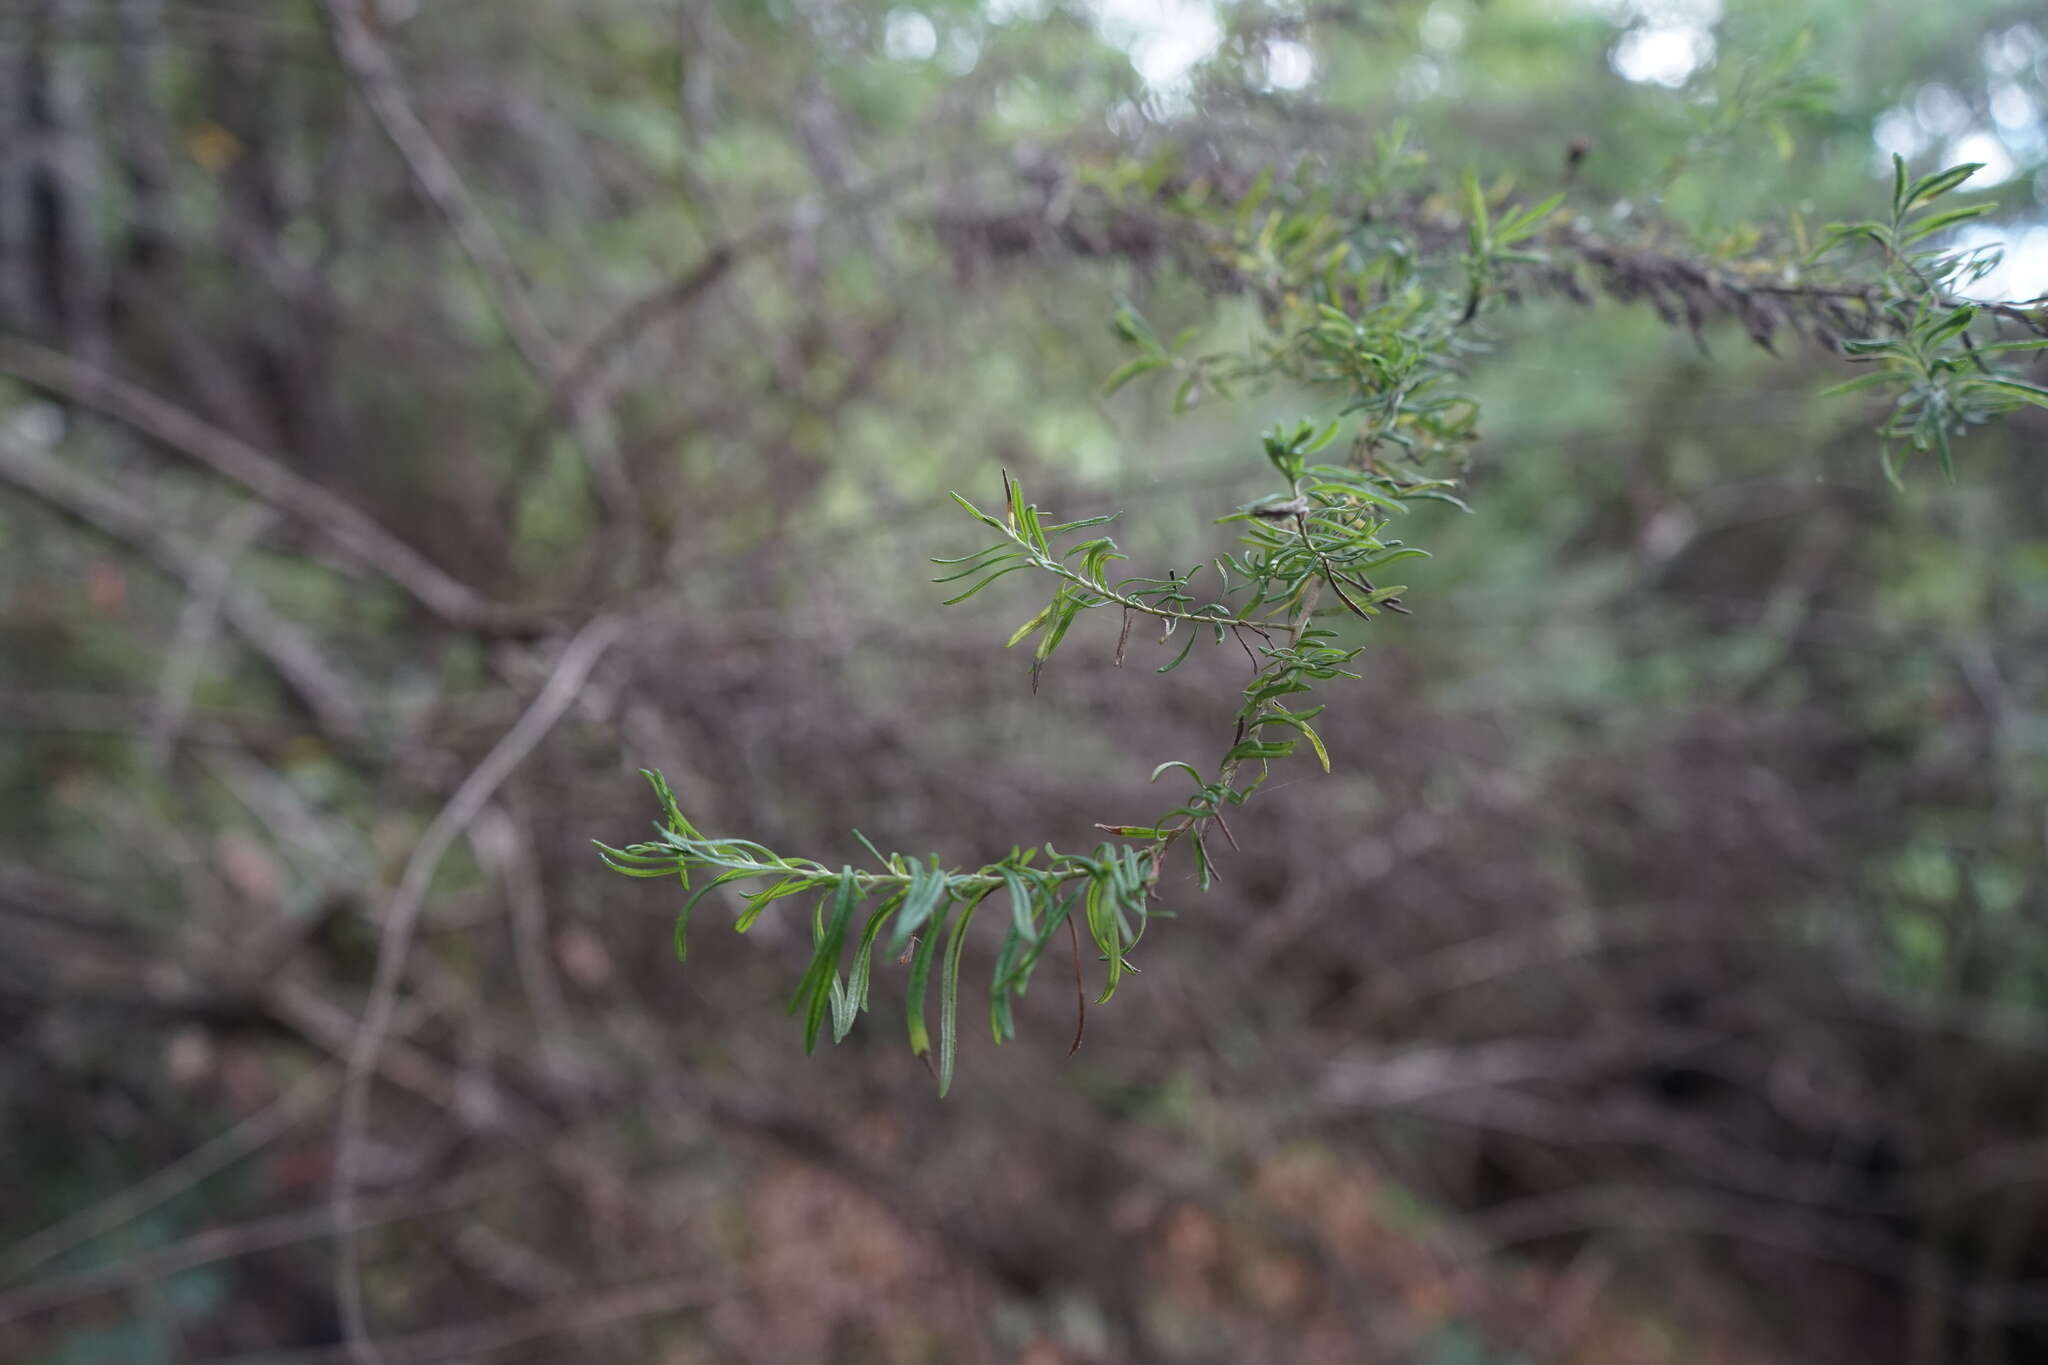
[1020, 975]
[1927, 227]
[1034, 532]
[1002, 1022]
[1931, 187]
[949, 997]
[824, 969]
[1315, 742]
[1475, 206]
[1186, 647]
[1102, 928]
[869, 845]
[671, 865]
[1861, 382]
[1891, 470]
[983, 562]
[701, 892]
[864, 955]
[669, 810]
[920, 979]
[1030, 628]
[982, 584]
[1300, 723]
[1944, 328]
[976, 512]
[843, 1012]
[1015, 491]
[1131, 369]
[927, 888]
[1522, 224]
[1066, 608]
[757, 901]
[2018, 388]
[1022, 905]
[1132, 327]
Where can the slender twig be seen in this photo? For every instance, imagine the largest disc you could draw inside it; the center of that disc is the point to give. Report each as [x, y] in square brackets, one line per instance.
[582, 1311]
[334, 519]
[399, 919]
[251, 1135]
[504, 847]
[1304, 612]
[319, 685]
[1096, 587]
[193, 638]
[228, 1243]
[382, 87]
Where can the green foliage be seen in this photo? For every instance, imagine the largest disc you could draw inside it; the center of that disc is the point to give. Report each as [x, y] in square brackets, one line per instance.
[1944, 379]
[1382, 310]
[915, 901]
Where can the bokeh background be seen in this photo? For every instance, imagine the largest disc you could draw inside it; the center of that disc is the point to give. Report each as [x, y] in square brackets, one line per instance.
[1661, 977]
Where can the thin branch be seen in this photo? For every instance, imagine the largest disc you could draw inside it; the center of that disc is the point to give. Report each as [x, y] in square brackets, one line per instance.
[577, 1312]
[398, 921]
[246, 1239]
[319, 685]
[1228, 775]
[349, 529]
[377, 77]
[251, 1135]
[503, 847]
[197, 622]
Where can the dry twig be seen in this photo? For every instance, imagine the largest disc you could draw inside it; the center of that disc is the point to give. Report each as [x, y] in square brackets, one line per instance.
[399, 919]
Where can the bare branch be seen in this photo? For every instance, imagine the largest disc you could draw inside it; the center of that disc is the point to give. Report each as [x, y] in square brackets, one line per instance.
[340, 522]
[576, 1312]
[398, 921]
[321, 687]
[264, 1234]
[195, 633]
[251, 1135]
[383, 89]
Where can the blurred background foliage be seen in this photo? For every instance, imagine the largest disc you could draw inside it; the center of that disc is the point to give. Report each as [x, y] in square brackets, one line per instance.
[1661, 976]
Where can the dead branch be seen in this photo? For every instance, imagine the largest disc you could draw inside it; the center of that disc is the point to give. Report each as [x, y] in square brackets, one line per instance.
[349, 529]
[318, 684]
[399, 919]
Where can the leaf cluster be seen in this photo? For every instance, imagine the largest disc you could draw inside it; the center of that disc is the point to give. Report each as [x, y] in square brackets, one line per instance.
[906, 908]
[1943, 379]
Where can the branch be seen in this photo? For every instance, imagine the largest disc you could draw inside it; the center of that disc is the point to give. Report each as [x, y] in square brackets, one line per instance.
[339, 522]
[398, 921]
[228, 1243]
[196, 628]
[580, 1311]
[383, 89]
[251, 1135]
[319, 685]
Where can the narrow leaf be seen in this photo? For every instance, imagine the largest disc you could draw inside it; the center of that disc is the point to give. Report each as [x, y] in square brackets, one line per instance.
[949, 997]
